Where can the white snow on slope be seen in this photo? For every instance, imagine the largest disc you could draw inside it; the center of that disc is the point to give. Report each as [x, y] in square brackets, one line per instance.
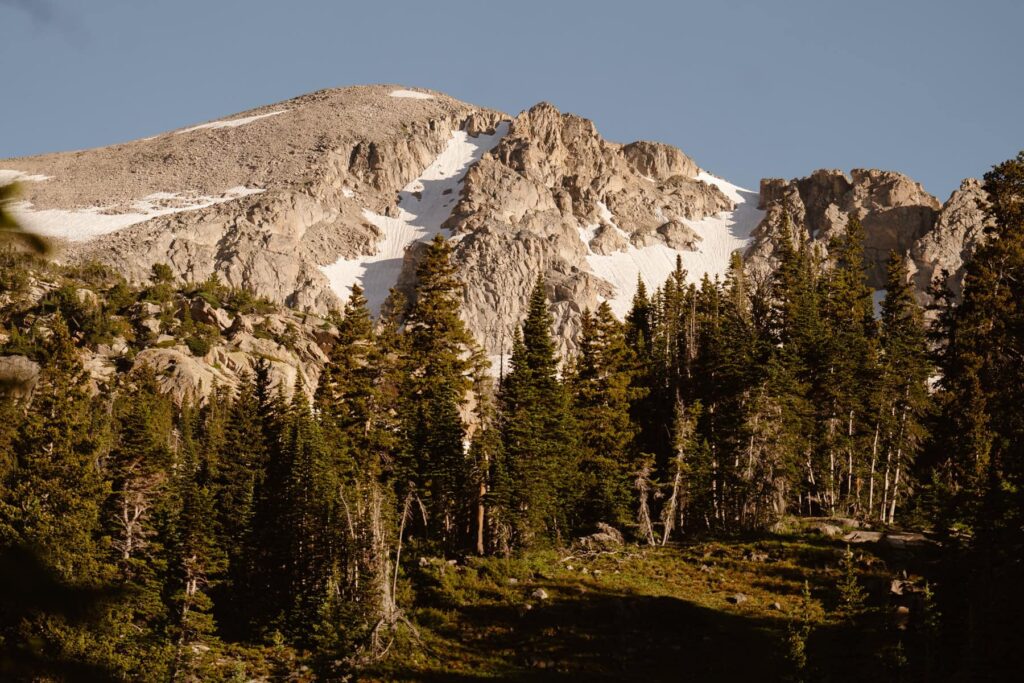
[82, 225]
[411, 94]
[423, 206]
[11, 176]
[230, 123]
[721, 235]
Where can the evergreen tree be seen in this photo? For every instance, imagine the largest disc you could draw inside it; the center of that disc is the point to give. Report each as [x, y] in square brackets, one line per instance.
[539, 434]
[242, 466]
[195, 558]
[308, 514]
[982, 436]
[439, 367]
[52, 495]
[848, 367]
[902, 389]
[603, 393]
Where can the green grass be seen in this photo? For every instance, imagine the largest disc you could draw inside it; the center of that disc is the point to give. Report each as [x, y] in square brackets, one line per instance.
[652, 614]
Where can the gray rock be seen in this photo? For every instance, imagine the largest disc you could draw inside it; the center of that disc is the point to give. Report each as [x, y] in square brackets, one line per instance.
[736, 599]
[539, 594]
[606, 537]
[862, 536]
[825, 529]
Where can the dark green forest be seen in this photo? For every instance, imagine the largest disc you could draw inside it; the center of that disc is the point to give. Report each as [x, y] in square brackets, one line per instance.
[277, 531]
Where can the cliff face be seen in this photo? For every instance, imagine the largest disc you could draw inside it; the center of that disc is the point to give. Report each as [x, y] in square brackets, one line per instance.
[895, 211]
[299, 200]
[264, 198]
[550, 200]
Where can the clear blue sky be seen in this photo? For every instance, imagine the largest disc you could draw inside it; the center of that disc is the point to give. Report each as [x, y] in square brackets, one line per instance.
[749, 88]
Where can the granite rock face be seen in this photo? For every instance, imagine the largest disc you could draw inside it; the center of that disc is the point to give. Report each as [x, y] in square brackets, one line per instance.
[940, 254]
[271, 199]
[527, 206]
[897, 214]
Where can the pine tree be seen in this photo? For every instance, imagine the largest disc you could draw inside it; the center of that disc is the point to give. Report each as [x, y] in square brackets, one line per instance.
[794, 374]
[439, 367]
[852, 595]
[52, 495]
[538, 433]
[195, 557]
[848, 367]
[603, 394]
[981, 391]
[308, 513]
[235, 483]
[902, 389]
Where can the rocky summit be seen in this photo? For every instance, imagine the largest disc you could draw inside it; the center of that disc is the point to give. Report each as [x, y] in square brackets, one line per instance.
[299, 200]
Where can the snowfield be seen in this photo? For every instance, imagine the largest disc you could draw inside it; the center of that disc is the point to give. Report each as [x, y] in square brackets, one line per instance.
[11, 176]
[721, 235]
[230, 123]
[82, 225]
[424, 205]
[411, 94]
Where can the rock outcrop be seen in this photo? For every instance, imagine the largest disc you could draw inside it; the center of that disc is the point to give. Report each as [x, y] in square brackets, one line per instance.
[960, 228]
[895, 212]
[309, 168]
[299, 200]
[528, 206]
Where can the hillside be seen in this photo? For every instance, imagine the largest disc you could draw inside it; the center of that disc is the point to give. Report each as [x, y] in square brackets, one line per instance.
[298, 200]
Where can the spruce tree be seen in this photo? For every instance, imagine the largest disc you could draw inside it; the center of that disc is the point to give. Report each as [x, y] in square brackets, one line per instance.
[848, 368]
[539, 434]
[194, 556]
[308, 513]
[439, 371]
[236, 482]
[52, 495]
[902, 394]
[603, 395]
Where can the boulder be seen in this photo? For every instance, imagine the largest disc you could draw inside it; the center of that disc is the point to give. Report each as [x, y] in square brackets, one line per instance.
[679, 236]
[606, 537]
[202, 311]
[825, 529]
[863, 536]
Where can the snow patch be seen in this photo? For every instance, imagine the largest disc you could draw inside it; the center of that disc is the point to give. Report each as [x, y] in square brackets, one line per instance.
[82, 225]
[12, 176]
[721, 235]
[231, 123]
[423, 206]
[411, 94]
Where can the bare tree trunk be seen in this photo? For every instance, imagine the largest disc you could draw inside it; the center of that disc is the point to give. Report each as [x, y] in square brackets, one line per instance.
[899, 462]
[874, 461]
[895, 489]
[849, 462]
[481, 515]
[814, 484]
[668, 514]
[644, 513]
[885, 489]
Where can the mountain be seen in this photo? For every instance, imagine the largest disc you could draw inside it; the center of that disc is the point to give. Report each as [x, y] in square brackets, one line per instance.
[299, 200]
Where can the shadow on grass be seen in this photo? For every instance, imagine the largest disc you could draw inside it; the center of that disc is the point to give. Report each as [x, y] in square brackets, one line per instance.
[608, 636]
